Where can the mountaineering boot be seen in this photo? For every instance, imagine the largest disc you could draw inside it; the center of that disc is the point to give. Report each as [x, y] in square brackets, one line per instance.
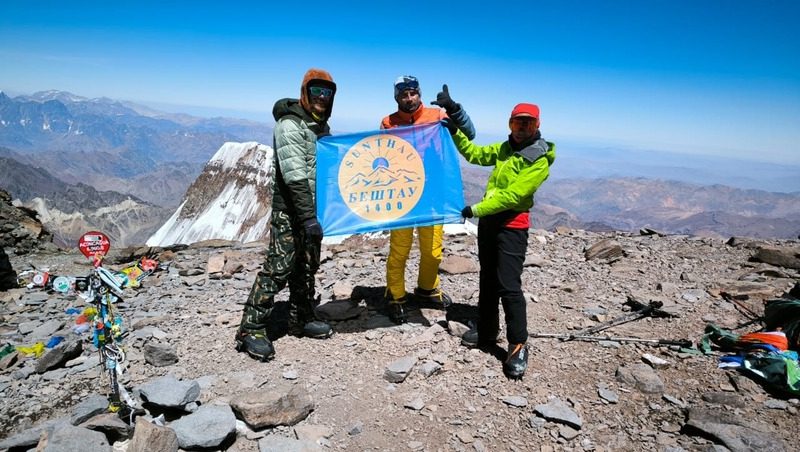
[397, 312]
[472, 340]
[256, 345]
[396, 308]
[517, 361]
[317, 329]
[436, 295]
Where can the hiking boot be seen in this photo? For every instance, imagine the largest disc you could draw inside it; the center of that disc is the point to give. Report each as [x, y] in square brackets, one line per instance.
[470, 339]
[435, 295]
[397, 312]
[315, 329]
[517, 361]
[255, 345]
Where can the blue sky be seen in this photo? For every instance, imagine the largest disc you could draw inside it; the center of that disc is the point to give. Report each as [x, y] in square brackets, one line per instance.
[717, 77]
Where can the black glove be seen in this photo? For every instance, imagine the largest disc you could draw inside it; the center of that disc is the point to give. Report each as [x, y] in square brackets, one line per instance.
[450, 124]
[466, 212]
[313, 229]
[443, 100]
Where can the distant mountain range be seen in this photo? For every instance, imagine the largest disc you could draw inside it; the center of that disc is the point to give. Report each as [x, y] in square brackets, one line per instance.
[63, 122]
[125, 167]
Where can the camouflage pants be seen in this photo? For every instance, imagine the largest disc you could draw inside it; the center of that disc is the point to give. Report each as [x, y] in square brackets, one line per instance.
[292, 259]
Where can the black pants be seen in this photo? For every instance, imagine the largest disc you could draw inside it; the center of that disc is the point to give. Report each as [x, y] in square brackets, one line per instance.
[501, 252]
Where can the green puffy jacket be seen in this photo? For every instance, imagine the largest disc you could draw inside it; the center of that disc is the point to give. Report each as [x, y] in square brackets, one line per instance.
[295, 143]
[516, 175]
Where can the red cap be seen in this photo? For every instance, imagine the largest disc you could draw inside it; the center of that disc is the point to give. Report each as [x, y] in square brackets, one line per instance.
[525, 110]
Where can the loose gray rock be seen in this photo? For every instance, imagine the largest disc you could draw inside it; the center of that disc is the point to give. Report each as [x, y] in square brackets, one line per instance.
[515, 401]
[724, 398]
[735, 434]
[607, 394]
[68, 438]
[208, 427]
[558, 411]
[398, 370]
[59, 355]
[93, 405]
[109, 424]
[641, 377]
[160, 355]
[30, 437]
[168, 392]
[429, 368]
[46, 329]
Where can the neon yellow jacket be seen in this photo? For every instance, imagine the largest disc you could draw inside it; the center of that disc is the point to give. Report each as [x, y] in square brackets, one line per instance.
[516, 175]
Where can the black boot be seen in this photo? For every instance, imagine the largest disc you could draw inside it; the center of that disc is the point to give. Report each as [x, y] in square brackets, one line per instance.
[397, 312]
[473, 340]
[435, 296]
[317, 329]
[517, 362]
[256, 345]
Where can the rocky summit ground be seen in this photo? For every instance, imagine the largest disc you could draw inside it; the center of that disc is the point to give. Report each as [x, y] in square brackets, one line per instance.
[377, 386]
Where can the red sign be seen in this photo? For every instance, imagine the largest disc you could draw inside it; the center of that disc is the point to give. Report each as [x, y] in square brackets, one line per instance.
[94, 243]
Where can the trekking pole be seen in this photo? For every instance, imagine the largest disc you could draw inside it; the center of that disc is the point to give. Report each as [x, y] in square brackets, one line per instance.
[685, 343]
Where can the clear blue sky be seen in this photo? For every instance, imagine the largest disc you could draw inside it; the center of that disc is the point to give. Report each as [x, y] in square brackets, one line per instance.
[718, 77]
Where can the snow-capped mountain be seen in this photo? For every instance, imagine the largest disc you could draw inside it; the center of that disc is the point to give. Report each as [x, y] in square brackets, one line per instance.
[231, 199]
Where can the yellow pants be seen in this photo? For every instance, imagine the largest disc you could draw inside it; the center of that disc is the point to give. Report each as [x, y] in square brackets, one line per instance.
[430, 251]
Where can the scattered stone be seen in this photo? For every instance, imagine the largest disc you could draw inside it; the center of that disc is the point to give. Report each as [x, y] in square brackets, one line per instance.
[429, 368]
[567, 432]
[654, 361]
[775, 404]
[108, 423]
[208, 427]
[59, 355]
[415, 404]
[456, 265]
[93, 405]
[160, 355]
[398, 370]
[724, 398]
[66, 438]
[269, 408]
[148, 437]
[515, 401]
[607, 250]
[607, 394]
[168, 392]
[733, 432]
[356, 429]
[558, 411]
[641, 377]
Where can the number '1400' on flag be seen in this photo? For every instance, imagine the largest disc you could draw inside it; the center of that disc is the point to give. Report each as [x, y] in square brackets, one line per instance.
[388, 179]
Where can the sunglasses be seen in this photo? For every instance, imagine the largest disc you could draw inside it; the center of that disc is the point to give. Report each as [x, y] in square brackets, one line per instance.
[318, 91]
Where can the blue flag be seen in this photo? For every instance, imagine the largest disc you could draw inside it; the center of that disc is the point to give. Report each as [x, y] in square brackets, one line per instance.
[388, 179]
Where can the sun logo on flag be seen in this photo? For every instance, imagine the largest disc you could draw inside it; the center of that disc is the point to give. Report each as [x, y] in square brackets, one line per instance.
[381, 177]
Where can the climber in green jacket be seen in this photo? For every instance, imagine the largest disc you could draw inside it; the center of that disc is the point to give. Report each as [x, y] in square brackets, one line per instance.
[521, 165]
